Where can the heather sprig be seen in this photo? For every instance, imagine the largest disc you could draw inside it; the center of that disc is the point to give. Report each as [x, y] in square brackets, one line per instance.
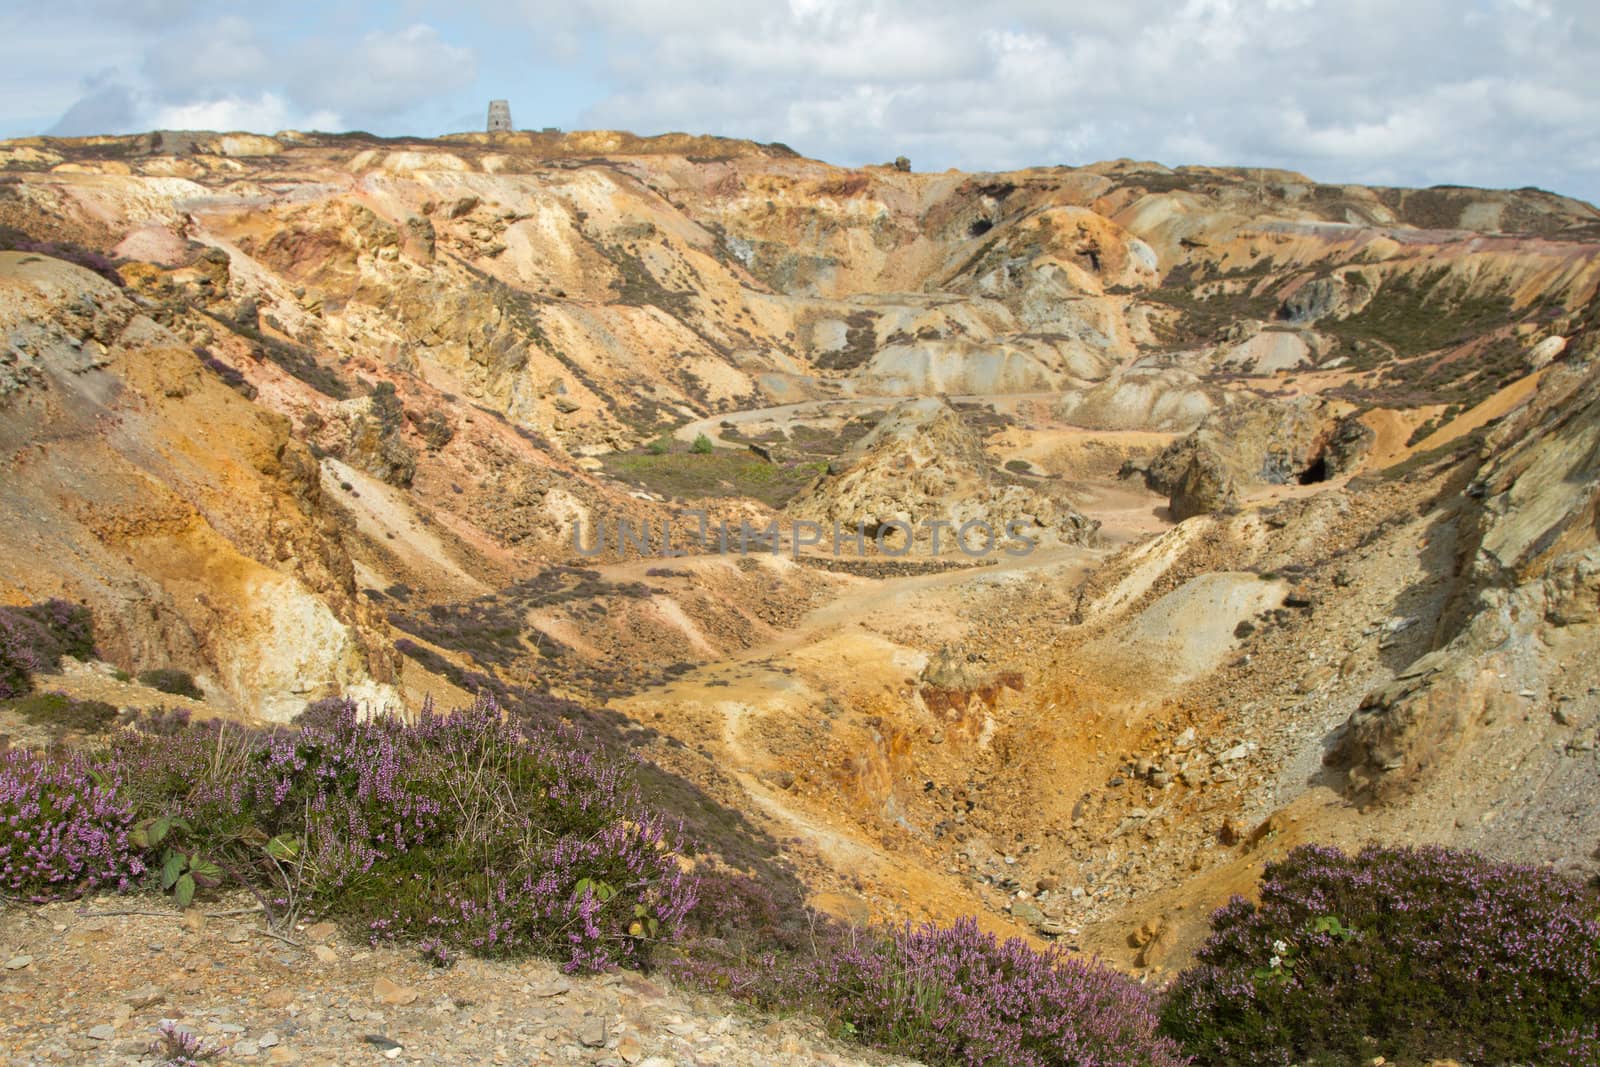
[180, 1048]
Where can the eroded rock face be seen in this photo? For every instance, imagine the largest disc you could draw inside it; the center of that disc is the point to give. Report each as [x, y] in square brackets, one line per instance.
[1530, 567]
[196, 531]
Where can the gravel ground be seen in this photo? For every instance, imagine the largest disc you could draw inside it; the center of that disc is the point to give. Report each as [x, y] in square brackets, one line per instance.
[83, 987]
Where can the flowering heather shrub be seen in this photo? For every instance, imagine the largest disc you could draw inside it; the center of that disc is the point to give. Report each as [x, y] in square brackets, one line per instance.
[754, 939]
[326, 712]
[60, 629]
[1411, 954]
[462, 830]
[63, 828]
[956, 995]
[17, 658]
[34, 638]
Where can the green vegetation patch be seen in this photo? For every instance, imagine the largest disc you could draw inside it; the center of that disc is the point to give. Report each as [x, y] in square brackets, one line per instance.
[722, 472]
[64, 712]
[1412, 315]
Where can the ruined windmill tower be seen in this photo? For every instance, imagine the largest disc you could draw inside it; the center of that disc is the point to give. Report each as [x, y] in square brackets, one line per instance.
[499, 116]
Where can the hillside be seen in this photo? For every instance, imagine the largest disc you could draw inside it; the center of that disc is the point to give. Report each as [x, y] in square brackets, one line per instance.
[1309, 471]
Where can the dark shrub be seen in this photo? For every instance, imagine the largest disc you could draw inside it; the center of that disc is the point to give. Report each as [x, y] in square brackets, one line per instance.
[229, 375]
[434, 426]
[1410, 954]
[169, 680]
[68, 713]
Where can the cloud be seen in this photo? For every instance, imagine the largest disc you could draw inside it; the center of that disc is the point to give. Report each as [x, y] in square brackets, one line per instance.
[385, 73]
[212, 59]
[239, 73]
[1487, 92]
[266, 113]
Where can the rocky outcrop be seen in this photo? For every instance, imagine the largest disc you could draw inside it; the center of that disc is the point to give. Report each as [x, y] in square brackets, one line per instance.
[1530, 568]
[1336, 295]
[1203, 488]
[922, 464]
[1247, 442]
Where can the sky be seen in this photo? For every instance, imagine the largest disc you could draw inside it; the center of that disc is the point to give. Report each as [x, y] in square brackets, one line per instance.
[1501, 93]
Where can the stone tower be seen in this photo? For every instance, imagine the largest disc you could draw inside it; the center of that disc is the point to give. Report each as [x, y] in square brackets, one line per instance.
[499, 116]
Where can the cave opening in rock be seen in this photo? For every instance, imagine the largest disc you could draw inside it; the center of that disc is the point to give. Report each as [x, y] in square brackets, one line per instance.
[1317, 472]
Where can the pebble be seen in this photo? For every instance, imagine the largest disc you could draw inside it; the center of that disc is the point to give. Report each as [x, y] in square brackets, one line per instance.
[17, 963]
[267, 1040]
[594, 1031]
[145, 996]
[385, 991]
[103, 1032]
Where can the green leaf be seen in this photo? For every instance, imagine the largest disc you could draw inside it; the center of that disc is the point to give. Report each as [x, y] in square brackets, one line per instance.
[206, 873]
[171, 869]
[284, 847]
[601, 890]
[159, 830]
[185, 891]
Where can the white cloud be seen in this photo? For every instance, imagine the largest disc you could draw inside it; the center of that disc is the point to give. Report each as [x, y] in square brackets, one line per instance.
[1497, 92]
[266, 113]
[238, 72]
[385, 73]
[212, 58]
